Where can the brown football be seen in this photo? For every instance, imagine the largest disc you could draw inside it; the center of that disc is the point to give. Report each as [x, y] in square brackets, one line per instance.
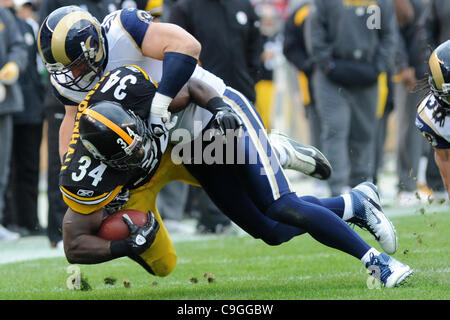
[114, 228]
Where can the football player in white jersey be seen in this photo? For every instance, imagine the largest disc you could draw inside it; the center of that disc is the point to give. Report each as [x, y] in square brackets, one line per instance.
[433, 113]
[77, 50]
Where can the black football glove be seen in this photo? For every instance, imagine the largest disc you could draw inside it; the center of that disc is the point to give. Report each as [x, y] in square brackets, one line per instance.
[141, 238]
[225, 119]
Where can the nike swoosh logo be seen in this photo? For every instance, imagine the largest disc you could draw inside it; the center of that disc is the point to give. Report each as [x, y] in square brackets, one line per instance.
[377, 207]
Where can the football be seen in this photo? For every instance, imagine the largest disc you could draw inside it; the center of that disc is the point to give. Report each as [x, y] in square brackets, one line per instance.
[114, 228]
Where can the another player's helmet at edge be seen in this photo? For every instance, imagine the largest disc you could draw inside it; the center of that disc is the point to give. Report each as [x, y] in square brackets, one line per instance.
[439, 79]
[116, 136]
[70, 40]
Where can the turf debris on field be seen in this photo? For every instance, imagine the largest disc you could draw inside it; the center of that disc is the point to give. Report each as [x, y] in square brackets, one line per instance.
[243, 268]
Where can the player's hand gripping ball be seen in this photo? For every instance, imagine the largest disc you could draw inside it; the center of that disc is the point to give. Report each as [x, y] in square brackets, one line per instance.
[114, 228]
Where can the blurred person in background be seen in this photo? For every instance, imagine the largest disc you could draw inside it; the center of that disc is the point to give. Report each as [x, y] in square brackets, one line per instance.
[154, 7]
[54, 114]
[410, 64]
[13, 59]
[26, 10]
[351, 43]
[232, 52]
[404, 13]
[295, 51]
[22, 213]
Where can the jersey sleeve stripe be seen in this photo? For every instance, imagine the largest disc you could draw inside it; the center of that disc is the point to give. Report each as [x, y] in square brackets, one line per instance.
[147, 77]
[111, 125]
[72, 195]
[86, 207]
[139, 68]
[424, 118]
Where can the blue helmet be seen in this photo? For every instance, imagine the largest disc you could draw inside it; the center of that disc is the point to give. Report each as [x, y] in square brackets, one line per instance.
[71, 44]
[439, 79]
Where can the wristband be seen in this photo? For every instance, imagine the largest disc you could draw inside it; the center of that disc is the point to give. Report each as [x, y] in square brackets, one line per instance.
[160, 106]
[119, 249]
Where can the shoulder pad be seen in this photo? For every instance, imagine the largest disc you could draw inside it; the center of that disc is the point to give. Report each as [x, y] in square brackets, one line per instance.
[135, 23]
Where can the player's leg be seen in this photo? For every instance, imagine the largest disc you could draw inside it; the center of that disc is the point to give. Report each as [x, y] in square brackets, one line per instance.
[269, 189]
[160, 259]
[232, 199]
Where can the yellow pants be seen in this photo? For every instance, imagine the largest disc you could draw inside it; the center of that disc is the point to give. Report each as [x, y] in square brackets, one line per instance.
[264, 100]
[161, 256]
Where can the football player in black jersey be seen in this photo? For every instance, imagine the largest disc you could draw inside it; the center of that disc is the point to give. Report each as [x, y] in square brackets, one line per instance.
[120, 156]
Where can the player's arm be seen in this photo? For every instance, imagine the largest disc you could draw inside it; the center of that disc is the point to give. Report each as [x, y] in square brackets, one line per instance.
[207, 97]
[442, 158]
[81, 245]
[196, 91]
[179, 51]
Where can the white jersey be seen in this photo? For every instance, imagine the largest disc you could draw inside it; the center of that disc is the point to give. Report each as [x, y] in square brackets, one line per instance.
[438, 135]
[124, 32]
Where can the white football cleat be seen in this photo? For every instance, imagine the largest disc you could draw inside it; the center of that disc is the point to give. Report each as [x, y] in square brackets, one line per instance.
[369, 215]
[302, 158]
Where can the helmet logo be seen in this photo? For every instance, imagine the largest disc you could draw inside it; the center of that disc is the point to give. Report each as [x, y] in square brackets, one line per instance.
[144, 16]
[91, 50]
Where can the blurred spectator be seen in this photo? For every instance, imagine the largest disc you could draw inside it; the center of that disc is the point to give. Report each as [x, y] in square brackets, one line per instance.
[13, 59]
[54, 114]
[439, 31]
[154, 7]
[23, 190]
[270, 27]
[351, 44]
[439, 22]
[411, 66]
[384, 110]
[294, 49]
[231, 50]
[26, 10]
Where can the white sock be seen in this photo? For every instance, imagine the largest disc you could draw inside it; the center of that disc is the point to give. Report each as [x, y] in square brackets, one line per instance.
[348, 207]
[366, 257]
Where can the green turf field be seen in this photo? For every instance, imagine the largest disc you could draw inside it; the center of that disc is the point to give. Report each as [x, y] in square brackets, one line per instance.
[244, 268]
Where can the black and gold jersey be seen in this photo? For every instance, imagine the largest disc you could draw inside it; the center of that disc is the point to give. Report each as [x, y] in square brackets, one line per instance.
[87, 184]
